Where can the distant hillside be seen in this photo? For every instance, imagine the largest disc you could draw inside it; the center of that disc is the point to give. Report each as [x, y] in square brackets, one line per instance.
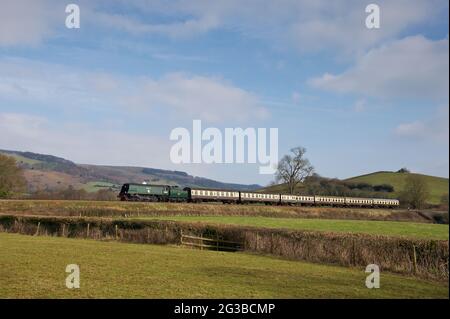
[438, 185]
[51, 172]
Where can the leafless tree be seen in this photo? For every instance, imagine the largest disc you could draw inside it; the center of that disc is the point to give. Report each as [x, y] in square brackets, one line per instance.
[416, 191]
[294, 168]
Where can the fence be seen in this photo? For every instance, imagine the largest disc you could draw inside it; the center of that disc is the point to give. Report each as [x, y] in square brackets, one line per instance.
[209, 243]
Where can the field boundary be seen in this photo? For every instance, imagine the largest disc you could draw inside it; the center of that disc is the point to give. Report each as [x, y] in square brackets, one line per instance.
[418, 257]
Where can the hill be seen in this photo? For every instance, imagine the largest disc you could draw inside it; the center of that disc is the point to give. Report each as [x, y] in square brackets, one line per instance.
[51, 172]
[366, 185]
[438, 185]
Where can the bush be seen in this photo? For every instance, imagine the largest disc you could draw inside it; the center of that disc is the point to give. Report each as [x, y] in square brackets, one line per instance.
[12, 180]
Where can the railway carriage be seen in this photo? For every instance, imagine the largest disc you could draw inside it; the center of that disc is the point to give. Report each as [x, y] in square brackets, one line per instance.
[329, 200]
[251, 197]
[297, 199]
[382, 202]
[212, 195]
[305, 200]
[289, 199]
[357, 201]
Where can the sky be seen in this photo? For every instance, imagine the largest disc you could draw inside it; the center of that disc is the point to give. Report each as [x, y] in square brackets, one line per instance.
[110, 92]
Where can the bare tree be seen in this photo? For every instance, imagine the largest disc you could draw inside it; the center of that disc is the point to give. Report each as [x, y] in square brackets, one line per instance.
[416, 191]
[293, 168]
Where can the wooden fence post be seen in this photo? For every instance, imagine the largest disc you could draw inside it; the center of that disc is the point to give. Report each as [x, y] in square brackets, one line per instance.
[37, 230]
[63, 229]
[257, 240]
[117, 232]
[271, 244]
[414, 259]
[87, 230]
[353, 261]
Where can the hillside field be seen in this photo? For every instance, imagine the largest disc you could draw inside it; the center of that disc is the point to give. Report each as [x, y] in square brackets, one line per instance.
[119, 270]
[438, 185]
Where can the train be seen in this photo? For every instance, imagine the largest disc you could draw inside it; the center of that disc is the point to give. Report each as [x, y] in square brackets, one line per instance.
[167, 193]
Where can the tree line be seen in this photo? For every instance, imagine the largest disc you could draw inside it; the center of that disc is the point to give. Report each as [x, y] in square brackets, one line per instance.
[296, 172]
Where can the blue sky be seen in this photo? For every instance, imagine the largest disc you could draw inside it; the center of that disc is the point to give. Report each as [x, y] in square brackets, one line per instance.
[360, 100]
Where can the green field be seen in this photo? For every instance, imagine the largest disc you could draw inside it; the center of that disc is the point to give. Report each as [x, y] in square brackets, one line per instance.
[97, 185]
[34, 267]
[388, 228]
[438, 185]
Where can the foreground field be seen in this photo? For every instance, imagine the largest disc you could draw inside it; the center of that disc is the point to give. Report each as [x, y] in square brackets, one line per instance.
[32, 267]
[405, 229]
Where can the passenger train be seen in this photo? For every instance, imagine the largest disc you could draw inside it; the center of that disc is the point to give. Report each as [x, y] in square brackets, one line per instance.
[166, 193]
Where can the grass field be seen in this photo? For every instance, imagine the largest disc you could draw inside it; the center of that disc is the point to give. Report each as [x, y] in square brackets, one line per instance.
[406, 229]
[34, 267]
[438, 185]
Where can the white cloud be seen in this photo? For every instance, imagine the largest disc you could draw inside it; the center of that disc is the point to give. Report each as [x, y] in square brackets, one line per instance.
[189, 96]
[414, 67]
[206, 98]
[308, 26]
[340, 25]
[360, 105]
[25, 22]
[182, 29]
[432, 129]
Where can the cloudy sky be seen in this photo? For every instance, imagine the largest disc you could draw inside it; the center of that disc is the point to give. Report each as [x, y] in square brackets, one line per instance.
[360, 100]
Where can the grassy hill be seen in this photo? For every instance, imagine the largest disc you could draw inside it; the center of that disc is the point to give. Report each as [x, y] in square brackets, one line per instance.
[438, 185]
